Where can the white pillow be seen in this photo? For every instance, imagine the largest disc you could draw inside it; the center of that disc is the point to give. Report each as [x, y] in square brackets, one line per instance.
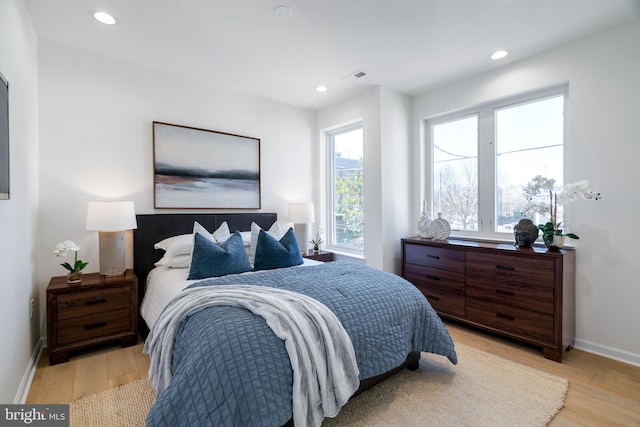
[246, 238]
[178, 261]
[275, 231]
[183, 243]
[176, 245]
[218, 236]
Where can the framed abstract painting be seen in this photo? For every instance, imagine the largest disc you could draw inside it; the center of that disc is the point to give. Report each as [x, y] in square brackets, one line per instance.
[4, 138]
[204, 169]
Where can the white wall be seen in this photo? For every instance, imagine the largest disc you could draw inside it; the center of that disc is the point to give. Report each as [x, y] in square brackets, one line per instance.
[18, 253]
[385, 118]
[603, 147]
[396, 183]
[96, 118]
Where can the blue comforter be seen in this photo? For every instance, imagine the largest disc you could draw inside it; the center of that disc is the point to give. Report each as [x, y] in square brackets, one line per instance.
[229, 369]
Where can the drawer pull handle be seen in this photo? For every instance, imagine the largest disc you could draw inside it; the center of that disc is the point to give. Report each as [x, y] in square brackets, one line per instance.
[500, 291]
[95, 301]
[433, 256]
[430, 277]
[503, 267]
[433, 297]
[505, 316]
[95, 325]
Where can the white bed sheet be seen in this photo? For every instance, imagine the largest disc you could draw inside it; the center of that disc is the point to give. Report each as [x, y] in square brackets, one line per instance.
[164, 284]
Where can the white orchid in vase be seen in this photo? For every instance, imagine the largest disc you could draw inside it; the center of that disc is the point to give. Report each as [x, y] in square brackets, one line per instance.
[75, 270]
[568, 193]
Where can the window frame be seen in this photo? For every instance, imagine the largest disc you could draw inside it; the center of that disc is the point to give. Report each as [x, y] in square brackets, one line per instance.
[487, 155]
[332, 245]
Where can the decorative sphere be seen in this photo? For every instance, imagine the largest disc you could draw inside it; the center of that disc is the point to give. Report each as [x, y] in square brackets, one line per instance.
[440, 228]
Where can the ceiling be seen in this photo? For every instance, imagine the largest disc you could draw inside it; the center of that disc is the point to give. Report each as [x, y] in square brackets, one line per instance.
[406, 45]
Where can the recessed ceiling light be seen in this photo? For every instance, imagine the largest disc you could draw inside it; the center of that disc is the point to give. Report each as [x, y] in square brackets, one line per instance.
[283, 11]
[321, 88]
[104, 17]
[499, 54]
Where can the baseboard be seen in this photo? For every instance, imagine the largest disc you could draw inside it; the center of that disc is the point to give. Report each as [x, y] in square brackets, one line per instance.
[611, 353]
[30, 371]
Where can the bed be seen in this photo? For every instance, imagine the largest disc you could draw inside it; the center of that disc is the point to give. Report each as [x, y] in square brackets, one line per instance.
[229, 367]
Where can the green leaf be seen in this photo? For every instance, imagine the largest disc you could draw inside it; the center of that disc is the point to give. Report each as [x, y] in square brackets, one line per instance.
[573, 236]
[67, 266]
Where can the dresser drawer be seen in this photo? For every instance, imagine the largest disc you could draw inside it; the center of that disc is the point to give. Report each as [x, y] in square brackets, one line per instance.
[434, 257]
[444, 302]
[508, 270]
[87, 327]
[445, 280]
[528, 297]
[90, 302]
[510, 319]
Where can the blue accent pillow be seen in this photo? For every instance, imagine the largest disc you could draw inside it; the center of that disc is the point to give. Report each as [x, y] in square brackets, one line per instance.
[271, 253]
[212, 260]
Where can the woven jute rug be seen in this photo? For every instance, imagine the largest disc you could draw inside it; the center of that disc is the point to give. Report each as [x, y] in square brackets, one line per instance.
[481, 390]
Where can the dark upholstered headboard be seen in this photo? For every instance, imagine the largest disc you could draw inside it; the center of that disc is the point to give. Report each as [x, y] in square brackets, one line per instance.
[154, 227]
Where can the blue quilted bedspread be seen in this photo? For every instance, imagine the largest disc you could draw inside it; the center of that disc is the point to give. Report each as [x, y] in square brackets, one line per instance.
[231, 370]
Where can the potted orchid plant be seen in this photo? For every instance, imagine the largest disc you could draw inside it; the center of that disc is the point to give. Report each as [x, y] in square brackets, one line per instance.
[75, 271]
[552, 234]
[316, 242]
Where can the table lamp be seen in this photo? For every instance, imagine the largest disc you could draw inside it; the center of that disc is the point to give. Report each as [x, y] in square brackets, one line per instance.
[301, 214]
[111, 220]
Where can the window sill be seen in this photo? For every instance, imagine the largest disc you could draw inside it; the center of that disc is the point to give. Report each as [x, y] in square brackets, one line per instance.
[347, 256]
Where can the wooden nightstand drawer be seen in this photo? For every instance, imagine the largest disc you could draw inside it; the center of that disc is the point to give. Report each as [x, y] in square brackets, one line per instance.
[509, 270]
[435, 257]
[87, 327]
[90, 302]
[98, 310]
[514, 320]
[536, 298]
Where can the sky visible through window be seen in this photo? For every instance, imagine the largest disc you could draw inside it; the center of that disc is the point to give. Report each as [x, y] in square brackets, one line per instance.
[349, 144]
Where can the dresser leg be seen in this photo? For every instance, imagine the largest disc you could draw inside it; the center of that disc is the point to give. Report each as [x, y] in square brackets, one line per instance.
[129, 341]
[552, 354]
[60, 357]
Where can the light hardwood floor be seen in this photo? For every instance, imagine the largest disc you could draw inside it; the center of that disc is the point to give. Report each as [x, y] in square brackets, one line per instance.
[602, 392]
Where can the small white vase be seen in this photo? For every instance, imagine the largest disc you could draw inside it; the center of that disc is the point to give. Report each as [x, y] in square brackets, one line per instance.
[74, 277]
[424, 224]
[557, 243]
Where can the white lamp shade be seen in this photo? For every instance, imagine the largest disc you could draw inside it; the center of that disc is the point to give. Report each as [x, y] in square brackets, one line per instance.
[111, 216]
[301, 212]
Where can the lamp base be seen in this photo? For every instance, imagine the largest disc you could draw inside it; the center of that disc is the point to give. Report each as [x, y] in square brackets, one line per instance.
[301, 230]
[113, 253]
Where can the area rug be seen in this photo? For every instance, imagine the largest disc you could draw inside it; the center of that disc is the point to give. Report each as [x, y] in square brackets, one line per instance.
[481, 390]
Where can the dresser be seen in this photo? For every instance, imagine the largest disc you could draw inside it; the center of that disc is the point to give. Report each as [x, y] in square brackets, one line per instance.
[522, 293]
[96, 311]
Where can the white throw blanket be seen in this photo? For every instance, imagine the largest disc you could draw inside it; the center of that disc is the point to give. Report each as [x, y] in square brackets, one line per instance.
[325, 373]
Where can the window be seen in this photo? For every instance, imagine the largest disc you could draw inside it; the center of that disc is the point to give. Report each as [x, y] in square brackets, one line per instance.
[455, 172]
[529, 142]
[346, 201]
[481, 159]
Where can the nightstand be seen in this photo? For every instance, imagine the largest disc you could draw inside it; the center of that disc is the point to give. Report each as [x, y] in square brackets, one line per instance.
[324, 256]
[98, 310]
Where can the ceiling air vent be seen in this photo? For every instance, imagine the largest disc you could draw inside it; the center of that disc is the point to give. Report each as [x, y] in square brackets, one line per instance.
[354, 76]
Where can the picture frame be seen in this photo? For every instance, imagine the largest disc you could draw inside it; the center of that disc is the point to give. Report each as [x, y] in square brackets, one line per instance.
[197, 168]
[4, 138]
